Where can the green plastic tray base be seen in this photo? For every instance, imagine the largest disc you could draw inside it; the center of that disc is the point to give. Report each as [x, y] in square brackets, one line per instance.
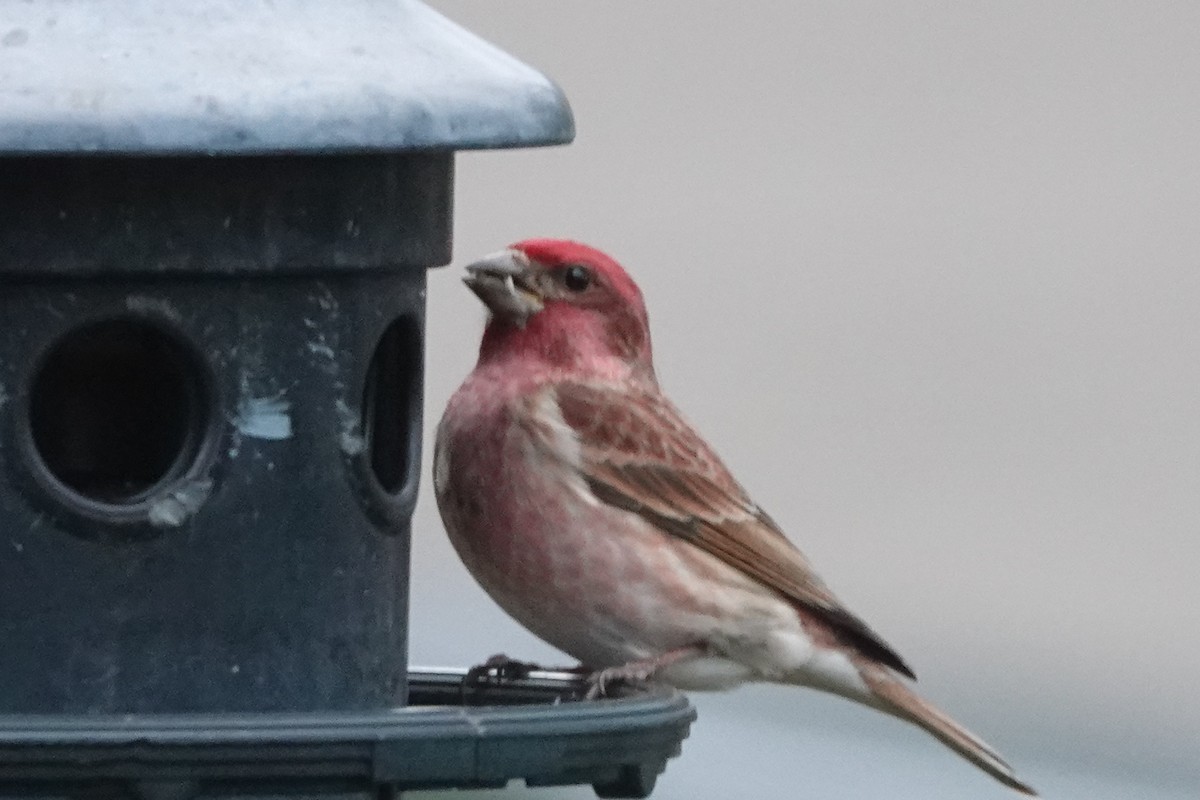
[535, 729]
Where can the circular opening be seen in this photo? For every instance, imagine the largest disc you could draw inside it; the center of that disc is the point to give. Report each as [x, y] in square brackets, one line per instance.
[116, 409]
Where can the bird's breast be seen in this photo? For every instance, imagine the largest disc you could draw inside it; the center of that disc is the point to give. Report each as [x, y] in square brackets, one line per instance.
[591, 579]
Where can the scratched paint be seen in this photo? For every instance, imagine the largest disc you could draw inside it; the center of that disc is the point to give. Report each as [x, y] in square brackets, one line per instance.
[144, 304]
[174, 508]
[267, 418]
[319, 348]
[351, 439]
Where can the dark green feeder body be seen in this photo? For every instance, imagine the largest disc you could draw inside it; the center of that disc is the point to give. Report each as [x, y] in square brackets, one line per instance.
[215, 223]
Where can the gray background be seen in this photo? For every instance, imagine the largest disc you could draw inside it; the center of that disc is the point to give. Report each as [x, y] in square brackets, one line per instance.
[926, 275]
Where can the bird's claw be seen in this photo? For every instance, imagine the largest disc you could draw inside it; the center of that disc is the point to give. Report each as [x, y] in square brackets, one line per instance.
[633, 672]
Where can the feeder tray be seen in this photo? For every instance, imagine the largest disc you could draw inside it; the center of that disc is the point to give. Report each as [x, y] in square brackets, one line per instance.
[535, 729]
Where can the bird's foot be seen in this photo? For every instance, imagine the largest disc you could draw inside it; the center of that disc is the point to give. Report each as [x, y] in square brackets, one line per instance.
[636, 672]
[633, 672]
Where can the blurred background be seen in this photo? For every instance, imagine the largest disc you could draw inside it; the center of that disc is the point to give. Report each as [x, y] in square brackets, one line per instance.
[928, 277]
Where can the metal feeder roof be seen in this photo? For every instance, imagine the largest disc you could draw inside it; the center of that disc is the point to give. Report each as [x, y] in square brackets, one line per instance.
[235, 77]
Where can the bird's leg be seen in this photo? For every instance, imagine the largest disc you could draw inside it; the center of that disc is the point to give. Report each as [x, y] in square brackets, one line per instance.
[639, 671]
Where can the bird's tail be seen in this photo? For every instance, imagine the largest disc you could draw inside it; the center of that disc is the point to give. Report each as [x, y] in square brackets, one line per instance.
[894, 696]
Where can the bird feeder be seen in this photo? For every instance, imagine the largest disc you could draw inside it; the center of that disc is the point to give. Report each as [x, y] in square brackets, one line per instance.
[215, 222]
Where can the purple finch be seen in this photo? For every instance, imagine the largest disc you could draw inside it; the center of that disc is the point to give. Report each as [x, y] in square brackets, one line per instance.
[591, 511]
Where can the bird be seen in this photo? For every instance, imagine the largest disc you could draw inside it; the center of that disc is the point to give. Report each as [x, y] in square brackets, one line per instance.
[588, 508]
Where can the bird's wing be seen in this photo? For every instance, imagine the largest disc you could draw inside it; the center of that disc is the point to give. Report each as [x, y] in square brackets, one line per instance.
[639, 454]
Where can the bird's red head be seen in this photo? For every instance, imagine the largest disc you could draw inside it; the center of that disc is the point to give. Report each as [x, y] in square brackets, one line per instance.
[563, 303]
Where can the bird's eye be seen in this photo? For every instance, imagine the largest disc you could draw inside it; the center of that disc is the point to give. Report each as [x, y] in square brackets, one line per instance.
[577, 278]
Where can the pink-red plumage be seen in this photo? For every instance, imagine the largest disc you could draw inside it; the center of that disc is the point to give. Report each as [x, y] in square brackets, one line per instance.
[593, 513]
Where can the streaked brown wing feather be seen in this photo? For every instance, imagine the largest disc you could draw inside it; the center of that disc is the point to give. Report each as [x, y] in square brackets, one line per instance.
[640, 455]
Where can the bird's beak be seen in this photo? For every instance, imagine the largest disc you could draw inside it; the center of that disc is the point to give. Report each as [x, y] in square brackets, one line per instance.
[501, 281]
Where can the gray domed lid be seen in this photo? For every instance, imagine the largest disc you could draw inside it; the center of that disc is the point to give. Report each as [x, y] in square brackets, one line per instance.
[254, 76]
